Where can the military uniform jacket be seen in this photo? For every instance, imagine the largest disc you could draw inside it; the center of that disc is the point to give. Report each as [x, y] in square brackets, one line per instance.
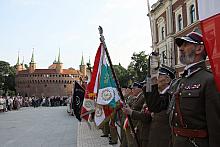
[159, 130]
[199, 106]
[142, 121]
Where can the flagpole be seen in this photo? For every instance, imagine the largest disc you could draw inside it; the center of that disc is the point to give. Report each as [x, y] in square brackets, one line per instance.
[102, 39]
[151, 24]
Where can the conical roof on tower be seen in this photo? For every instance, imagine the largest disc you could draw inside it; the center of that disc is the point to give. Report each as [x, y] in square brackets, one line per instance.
[82, 61]
[55, 61]
[58, 61]
[18, 62]
[89, 61]
[32, 57]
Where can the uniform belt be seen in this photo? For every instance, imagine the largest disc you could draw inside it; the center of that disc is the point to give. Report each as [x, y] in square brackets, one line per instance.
[191, 133]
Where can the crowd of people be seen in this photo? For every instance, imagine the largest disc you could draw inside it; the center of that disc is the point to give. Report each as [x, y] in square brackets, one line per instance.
[171, 111]
[8, 103]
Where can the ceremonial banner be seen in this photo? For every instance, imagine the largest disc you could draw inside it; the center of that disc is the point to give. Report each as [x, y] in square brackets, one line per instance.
[78, 96]
[91, 90]
[209, 14]
[107, 92]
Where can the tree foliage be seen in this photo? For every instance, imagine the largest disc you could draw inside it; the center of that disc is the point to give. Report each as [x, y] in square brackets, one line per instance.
[7, 76]
[122, 75]
[138, 67]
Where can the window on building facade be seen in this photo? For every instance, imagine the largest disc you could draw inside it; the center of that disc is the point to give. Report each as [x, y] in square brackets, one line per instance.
[64, 86]
[163, 33]
[161, 29]
[164, 56]
[180, 21]
[192, 13]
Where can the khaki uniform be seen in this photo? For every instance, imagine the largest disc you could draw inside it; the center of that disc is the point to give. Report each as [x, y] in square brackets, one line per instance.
[122, 117]
[113, 129]
[143, 126]
[129, 138]
[105, 128]
[196, 117]
[141, 121]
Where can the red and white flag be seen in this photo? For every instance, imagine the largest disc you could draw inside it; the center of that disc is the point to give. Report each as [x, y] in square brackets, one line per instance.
[91, 91]
[209, 15]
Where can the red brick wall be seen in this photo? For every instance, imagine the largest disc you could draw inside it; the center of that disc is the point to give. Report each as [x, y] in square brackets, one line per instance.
[44, 86]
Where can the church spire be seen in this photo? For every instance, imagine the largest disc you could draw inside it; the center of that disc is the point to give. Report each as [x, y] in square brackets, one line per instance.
[89, 61]
[18, 59]
[82, 60]
[55, 60]
[32, 57]
[59, 57]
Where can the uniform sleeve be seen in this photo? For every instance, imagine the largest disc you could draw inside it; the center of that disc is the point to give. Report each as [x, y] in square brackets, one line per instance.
[212, 113]
[136, 115]
[152, 98]
[157, 102]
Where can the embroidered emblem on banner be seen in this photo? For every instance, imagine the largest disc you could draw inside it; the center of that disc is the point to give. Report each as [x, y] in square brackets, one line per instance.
[77, 101]
[107, 94]
[98, 112]
[88, 104]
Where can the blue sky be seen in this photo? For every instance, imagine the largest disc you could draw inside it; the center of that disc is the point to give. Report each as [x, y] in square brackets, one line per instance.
[72, 26]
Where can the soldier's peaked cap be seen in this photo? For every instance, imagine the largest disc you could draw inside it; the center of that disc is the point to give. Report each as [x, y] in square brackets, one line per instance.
[194, 37]
[136, 85]
[165, 70]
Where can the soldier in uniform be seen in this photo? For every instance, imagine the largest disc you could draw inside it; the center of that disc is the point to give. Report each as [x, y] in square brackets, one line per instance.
[157, 101]
[126, 93]
[195, 120]
[140, 122]
[105, 129]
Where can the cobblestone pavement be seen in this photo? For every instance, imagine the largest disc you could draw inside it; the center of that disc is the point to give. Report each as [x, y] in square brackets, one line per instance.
[91, 137]
[38, 127]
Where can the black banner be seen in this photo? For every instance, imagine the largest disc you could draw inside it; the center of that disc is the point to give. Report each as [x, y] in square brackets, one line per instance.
[78, 97]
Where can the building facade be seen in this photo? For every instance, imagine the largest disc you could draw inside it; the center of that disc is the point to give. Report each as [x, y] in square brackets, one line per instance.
[54, 81]
[171, 19]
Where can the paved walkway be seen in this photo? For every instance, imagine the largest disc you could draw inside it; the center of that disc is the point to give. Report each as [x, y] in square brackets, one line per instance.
[91, 138]
[38, 127]
[47, 127]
